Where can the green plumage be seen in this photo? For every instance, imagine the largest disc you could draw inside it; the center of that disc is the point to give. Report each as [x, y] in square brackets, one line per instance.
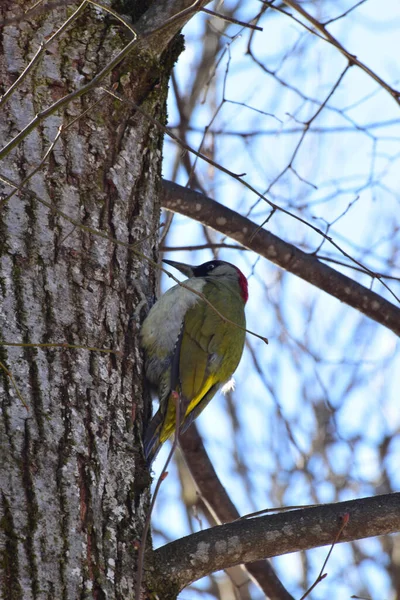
[204, 356]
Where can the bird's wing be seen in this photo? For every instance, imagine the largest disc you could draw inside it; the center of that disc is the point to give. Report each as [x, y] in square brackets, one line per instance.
[201, 354]
[200, 406]
[194, 365]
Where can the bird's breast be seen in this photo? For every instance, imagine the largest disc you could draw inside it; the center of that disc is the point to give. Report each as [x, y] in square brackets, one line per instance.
[164, 321]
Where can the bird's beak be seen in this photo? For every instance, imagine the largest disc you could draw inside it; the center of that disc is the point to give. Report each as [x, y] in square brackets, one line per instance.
[182, 267]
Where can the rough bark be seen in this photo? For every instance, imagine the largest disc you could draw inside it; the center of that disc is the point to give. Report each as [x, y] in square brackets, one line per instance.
[74, 489]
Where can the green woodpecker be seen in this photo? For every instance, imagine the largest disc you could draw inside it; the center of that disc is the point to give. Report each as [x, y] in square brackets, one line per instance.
[190, 352]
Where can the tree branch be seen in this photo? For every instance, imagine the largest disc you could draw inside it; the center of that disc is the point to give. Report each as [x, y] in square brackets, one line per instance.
[202, 553]
[222, 509]
[228, 222]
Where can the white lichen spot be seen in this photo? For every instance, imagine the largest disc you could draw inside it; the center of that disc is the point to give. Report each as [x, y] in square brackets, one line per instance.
[230, 546]
[288, 530]
[221, 221]
[375, 305]
[111, 569]
[220, 547]
[316, 530]
[112, 534]
[347, 290]
[272, 535]
[198, 207]
[234, 545]
[245, 229]
[202, 553]
[75, 572]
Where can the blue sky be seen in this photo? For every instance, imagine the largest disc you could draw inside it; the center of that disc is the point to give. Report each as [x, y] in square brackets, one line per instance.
[322, 355]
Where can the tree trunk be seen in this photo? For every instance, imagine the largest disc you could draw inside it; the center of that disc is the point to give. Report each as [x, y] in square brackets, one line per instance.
[74, 488]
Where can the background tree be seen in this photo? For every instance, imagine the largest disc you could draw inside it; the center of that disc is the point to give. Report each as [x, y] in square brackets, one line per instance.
[314, 416]
[269, 91]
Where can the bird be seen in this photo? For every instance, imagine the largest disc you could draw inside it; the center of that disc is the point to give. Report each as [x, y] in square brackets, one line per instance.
[189, 350]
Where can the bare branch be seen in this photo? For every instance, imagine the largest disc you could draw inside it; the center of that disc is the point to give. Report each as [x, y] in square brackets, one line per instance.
[14, 384]
[202, 553]
[345, 13]
[231, 20]
[239, 177]
[285, 255]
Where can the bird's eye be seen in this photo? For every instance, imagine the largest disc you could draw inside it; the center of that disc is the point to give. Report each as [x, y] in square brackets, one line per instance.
[211, 267]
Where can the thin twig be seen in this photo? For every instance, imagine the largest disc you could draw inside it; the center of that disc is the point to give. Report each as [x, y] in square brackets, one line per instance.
[293, 130]
[377, 274]
[231, 19]
[322, 575]
[345, 13]
[132, 248]
[239, 177]
[306, 127]
[351, 57]
[40, 51]
[61, 130]
[202, 247]
[115, 15]
[14, 383]
[62, 346]
[276, 509]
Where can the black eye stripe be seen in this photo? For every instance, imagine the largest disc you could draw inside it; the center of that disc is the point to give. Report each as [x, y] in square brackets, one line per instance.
[206, 268]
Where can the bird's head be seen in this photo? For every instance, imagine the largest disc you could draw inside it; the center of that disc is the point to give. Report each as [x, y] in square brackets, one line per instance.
[211, 269]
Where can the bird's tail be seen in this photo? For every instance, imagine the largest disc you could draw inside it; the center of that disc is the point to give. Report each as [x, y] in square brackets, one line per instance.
[152, 441]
